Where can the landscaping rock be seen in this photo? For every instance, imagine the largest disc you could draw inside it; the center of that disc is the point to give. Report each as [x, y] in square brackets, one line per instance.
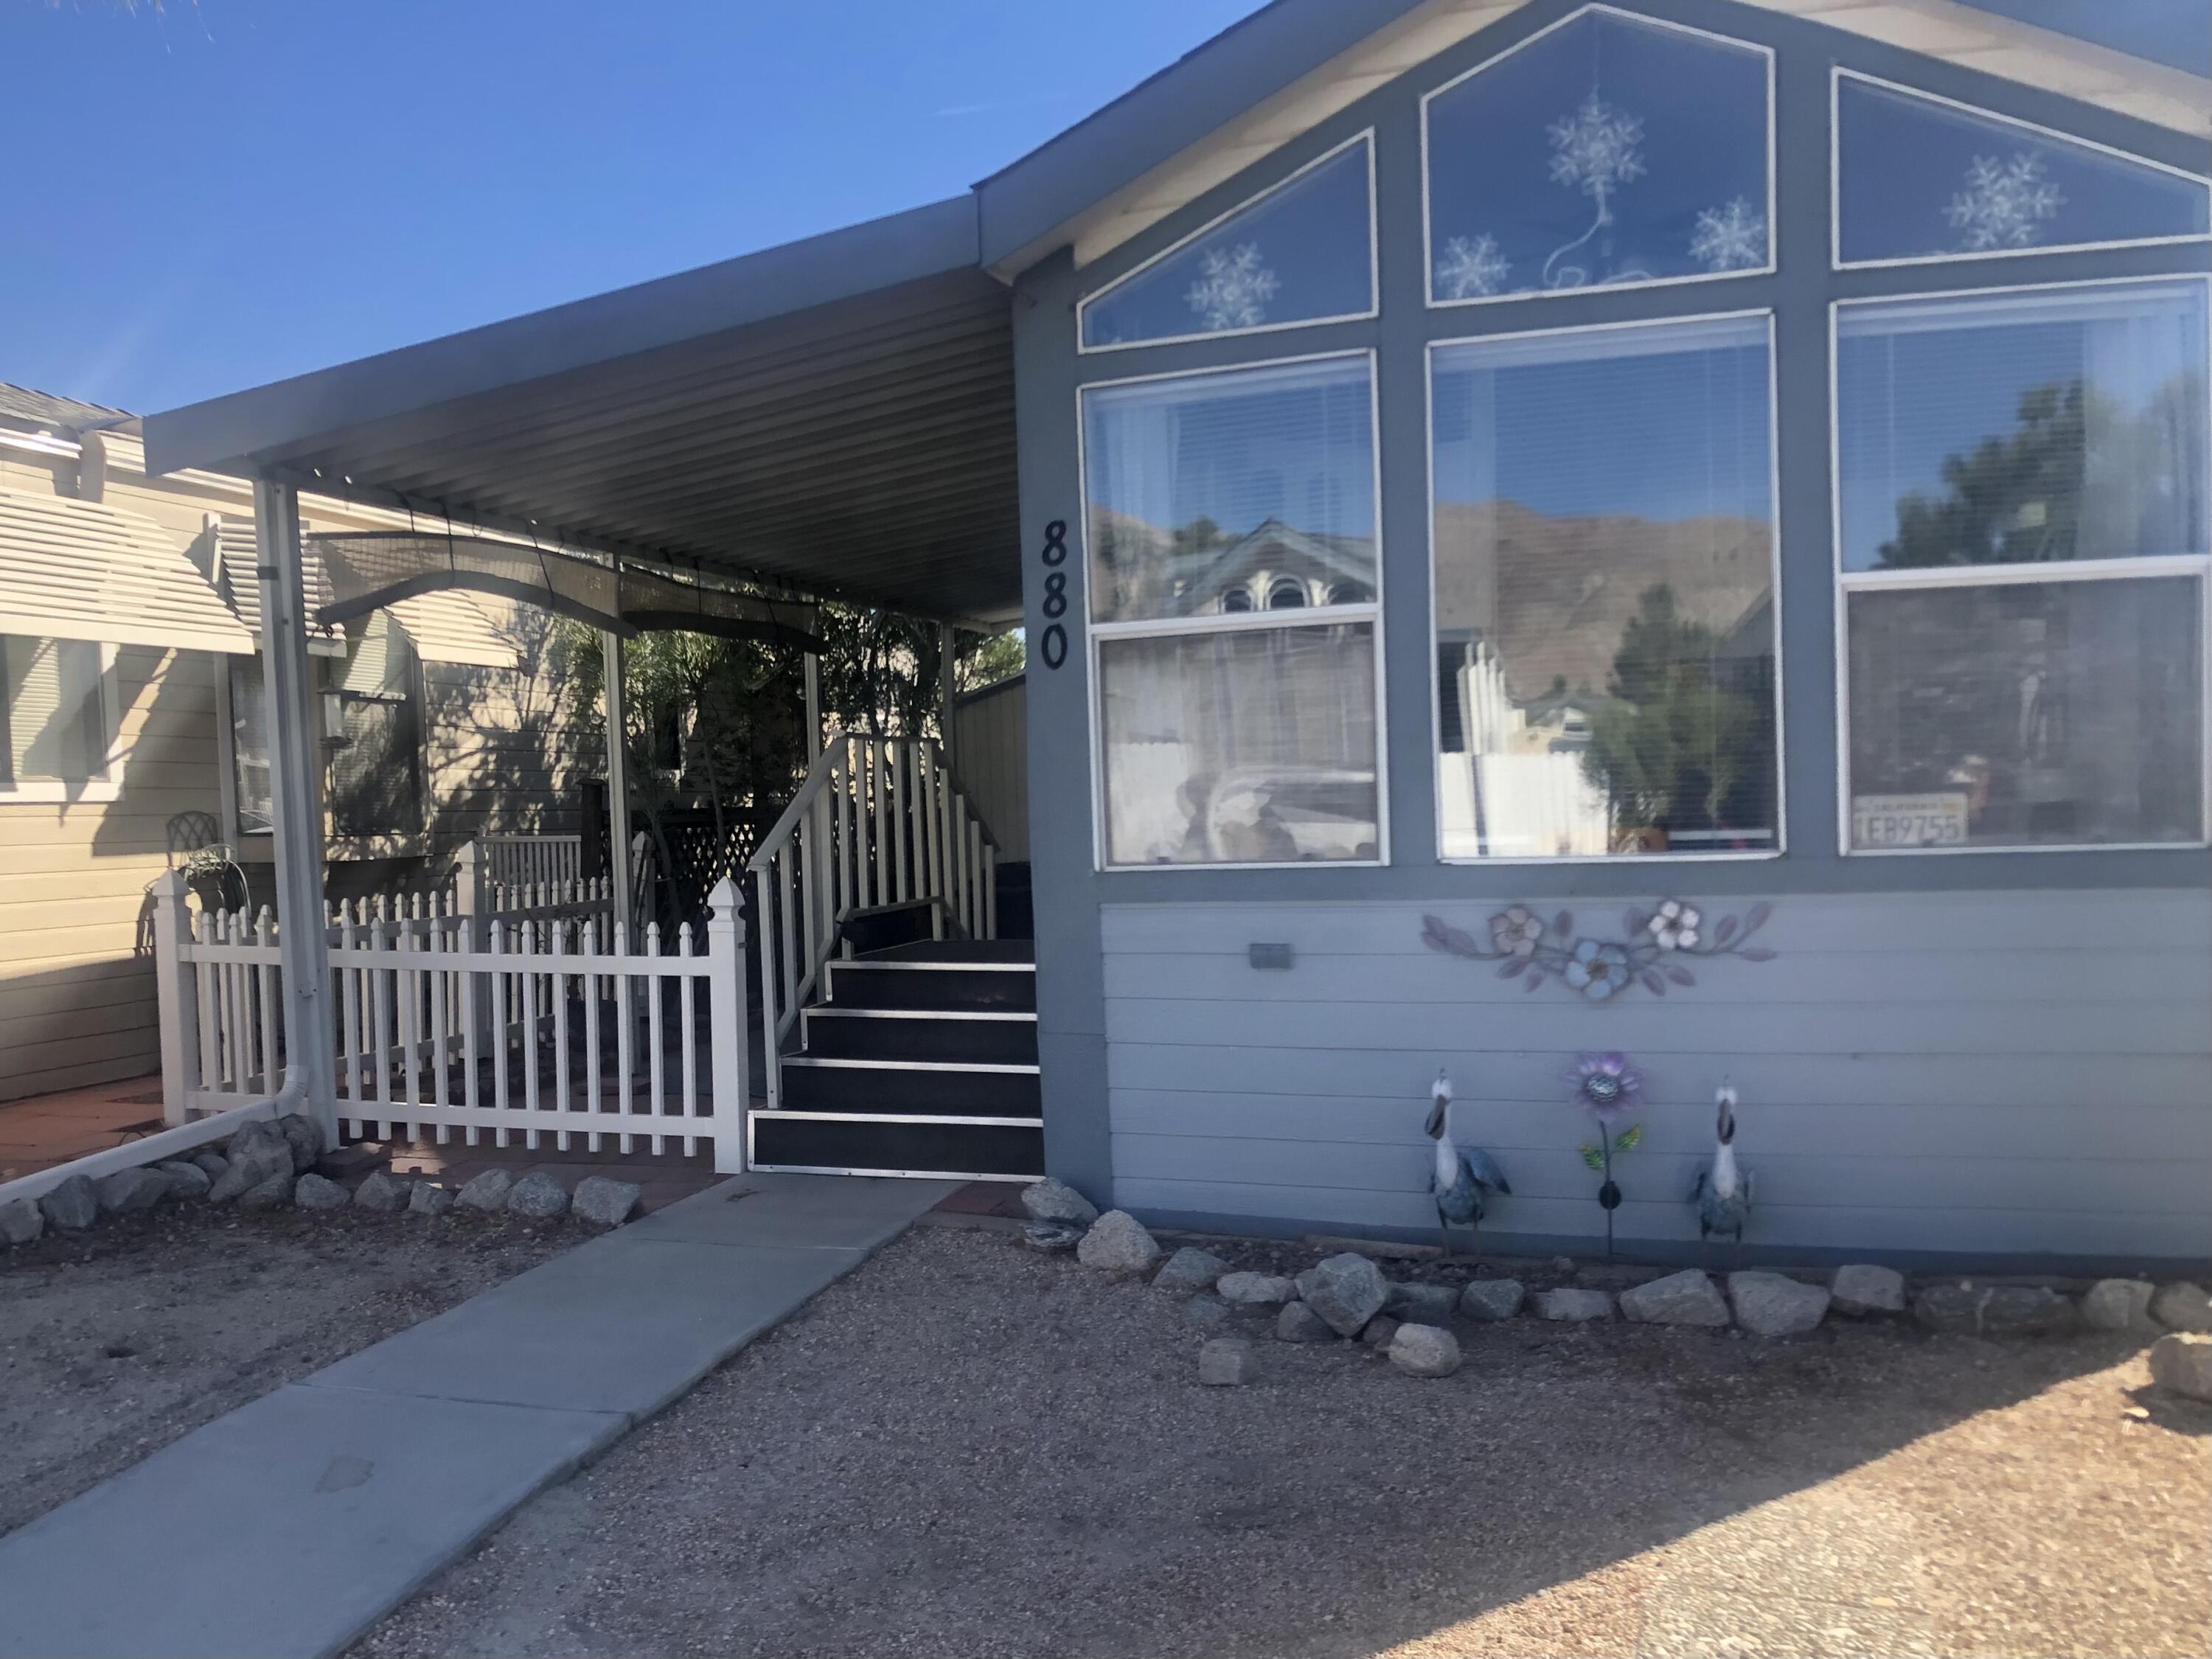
[1573, 1303]
[1773, 1305]
[1055, 1201]
[1347, 1289]
[1863, 1288]
[427, 1200]
[1227, 1362]
[1993, 1310]
[603, 1201]
[2180, 1306]
[380, 1192]
[127, 1191]
[487, 1192]
[1255, 1290]
[304, 1138]
[212, 1163]
[1688, 1298]
[1493, 1298]
[1377, 1332]
[1117, 1242]
[272, 1194]
[256, 1152]
[1421, 1304]
[314, 1192]
[1425, 1351]
[186, 1180]
[2183, 1362]
[1189, 1269]
[71, 1206]
[1052, 1238]
[538, 1198]
[21, 1221]
[2117, 1304]
[1209, 1312]
[1299, 1324]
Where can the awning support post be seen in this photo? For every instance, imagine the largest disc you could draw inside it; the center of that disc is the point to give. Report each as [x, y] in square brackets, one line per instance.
[813, 707]
[617, 713]
[295, 791]
[947, 642]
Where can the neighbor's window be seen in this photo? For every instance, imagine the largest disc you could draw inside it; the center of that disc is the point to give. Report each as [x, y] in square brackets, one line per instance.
[2022, 509]
[1605, 151]
[1302, 252]
[53, 709]
[1925, 178]
[1231, 519]
[1605, 627]
[249, 746]
[376, 771]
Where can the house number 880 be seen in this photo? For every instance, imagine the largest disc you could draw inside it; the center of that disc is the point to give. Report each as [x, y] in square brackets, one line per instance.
[1052, 644]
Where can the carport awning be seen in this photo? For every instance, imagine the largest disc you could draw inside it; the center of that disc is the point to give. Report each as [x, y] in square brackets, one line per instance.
[82, 570]
[835, 415]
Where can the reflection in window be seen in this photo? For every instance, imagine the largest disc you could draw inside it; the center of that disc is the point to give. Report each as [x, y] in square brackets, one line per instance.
[376, 776]
[1300, 253]
[2022, 428]
[1251, 746]
[1205, 492]
[2007, 434]
[1604, 593]
[53, 712]
[1922, 179]
[2024, 714]
[1607, 150]
[249, 746]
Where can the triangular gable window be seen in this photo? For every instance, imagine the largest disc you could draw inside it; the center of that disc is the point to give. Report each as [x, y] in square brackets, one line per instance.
[1301, 252]
[1921, 177]
[1605, 151]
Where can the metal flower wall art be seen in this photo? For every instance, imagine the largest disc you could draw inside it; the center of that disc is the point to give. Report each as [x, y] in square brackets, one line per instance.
[1609, 1087]
[1654, 952]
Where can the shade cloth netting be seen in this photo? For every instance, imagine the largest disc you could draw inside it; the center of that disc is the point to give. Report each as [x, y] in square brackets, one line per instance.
[371, 569]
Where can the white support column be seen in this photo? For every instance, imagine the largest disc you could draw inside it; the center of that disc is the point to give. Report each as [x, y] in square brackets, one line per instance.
[617, 712]
[813, 708]
[947, 640]
[731, 1054]
[295, 791]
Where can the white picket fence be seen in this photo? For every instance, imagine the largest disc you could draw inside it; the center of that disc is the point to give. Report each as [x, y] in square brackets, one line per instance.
[516, 1012]
[880, 820]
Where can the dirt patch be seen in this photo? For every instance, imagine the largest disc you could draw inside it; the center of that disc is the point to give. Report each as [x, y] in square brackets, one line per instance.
[964, 1450]
[117, 1342]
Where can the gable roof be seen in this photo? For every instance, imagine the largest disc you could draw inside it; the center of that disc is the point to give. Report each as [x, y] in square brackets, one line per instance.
[1279, 72]
[47, 409]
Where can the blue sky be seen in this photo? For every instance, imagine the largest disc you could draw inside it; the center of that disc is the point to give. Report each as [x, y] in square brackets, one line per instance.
[218, 195]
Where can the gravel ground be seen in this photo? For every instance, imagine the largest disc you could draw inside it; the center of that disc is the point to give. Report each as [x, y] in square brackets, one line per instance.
[116, 1342]
[965, 1450]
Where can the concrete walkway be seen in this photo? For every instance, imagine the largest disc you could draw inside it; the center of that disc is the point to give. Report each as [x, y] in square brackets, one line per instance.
[290, 1525]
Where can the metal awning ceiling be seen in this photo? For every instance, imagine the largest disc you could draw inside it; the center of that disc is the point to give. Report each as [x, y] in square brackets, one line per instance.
[836, 415]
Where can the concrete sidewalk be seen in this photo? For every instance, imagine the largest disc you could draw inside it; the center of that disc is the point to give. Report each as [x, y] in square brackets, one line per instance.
[290, 1525]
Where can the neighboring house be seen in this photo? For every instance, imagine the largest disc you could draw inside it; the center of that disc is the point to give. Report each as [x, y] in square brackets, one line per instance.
[1455, 455]
[134, 719]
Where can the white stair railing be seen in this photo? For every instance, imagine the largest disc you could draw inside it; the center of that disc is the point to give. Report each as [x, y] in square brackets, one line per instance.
[880, 820]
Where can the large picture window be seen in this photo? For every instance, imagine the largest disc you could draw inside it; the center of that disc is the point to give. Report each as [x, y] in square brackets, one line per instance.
[54, 720]
[1606, 151]
[2022, 525]
[1605, 584]
[1231, 535]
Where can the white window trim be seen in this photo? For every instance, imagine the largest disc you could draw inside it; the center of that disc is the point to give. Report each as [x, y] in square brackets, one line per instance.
[1774, 554]
[1234, 622]
[1428, 232]
[88, 792]
[1848, 582]
[1365, 136]
[1838, 75]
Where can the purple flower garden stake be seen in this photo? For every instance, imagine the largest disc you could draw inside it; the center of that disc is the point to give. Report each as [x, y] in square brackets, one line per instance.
[1610, 1087]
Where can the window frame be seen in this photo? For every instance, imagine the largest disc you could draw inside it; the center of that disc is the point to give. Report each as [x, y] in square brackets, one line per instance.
[1781, 847]
[1430, 300]
[1365, 136]
[1259, 620]
[1844, 583]
[88, 792]
[1838, 72]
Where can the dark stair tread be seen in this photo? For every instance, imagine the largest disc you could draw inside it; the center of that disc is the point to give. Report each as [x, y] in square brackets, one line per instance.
[793, 1140]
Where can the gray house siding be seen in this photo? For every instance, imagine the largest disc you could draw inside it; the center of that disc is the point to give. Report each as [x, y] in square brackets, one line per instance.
[1917, 999]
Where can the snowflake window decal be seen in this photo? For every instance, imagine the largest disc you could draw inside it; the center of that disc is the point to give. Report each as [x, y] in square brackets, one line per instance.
[2006, 204]
[1472, 267]
[1232, 290]
[1731, 238]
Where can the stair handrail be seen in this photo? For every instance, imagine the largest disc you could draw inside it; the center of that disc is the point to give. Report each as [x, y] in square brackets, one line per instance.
[880, 819]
